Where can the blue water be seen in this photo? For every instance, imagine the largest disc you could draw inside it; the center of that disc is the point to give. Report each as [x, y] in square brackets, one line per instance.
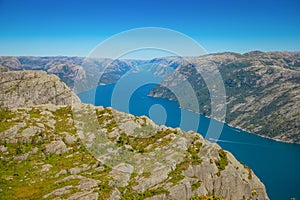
[277, 164]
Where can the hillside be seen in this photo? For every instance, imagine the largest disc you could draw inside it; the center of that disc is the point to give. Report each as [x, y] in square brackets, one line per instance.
[43, 157]
[84, 152]
[262, 90]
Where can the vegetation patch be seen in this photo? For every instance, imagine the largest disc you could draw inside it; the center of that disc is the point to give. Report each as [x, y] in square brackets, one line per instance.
[194, 150]
[130, 194]
[105, 190]
[5, 116]
[176, 175]
[208, 197]
[146, 174]
[34, 113]
[62, 124]
[253, 192]
[191, 158]
[196, 185]
[223, 161]
[105, 118]
[249, 171]
[141, 144]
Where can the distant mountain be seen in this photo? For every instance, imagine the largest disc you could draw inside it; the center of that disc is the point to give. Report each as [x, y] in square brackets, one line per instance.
[81, 73]
[78, 73]
[262, 90]
[50, 151]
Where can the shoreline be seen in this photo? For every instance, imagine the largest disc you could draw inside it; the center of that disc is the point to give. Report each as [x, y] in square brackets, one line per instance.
[263, 136]
[235, 127]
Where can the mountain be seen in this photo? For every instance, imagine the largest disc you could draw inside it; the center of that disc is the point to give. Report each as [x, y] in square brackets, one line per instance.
[53, 151]
[262, 90]
[79, 73]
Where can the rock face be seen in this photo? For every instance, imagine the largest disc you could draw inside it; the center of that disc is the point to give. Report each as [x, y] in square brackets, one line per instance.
[27, 88]
[262, 90]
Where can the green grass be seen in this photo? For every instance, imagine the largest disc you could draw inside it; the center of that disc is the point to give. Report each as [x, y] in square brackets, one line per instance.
[29, 183]
[105, 117]
[194, 150]
[191, 158]
[23, 179]
[196, 185]
[6, 115]
[249, 171]
[105, 189]
[62, 124]
[130, 194]
[176, 176]
[146, 174]
[223, 161]
[34, 113]
[206, 197]
[140, 144]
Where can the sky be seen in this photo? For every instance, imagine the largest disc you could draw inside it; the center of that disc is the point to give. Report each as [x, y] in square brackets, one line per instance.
[74, 28]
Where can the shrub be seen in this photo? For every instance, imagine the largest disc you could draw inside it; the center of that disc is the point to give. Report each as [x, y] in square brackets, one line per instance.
[223, 161]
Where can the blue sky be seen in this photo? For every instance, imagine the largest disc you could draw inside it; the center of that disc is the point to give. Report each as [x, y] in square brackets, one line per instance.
[69, 27]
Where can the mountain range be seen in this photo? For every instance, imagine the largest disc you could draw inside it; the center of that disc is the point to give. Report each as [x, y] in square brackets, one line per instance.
[262, 88]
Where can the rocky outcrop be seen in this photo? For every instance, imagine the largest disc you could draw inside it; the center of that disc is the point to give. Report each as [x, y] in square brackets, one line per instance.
[57, 147]
[28, 88]
[83, 152]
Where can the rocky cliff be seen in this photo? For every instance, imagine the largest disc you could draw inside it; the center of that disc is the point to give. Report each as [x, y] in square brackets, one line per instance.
[262, 90]
[26, 88]
[84, 152]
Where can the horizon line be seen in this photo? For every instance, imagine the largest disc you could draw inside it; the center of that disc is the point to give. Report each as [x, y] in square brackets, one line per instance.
[129, 58]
